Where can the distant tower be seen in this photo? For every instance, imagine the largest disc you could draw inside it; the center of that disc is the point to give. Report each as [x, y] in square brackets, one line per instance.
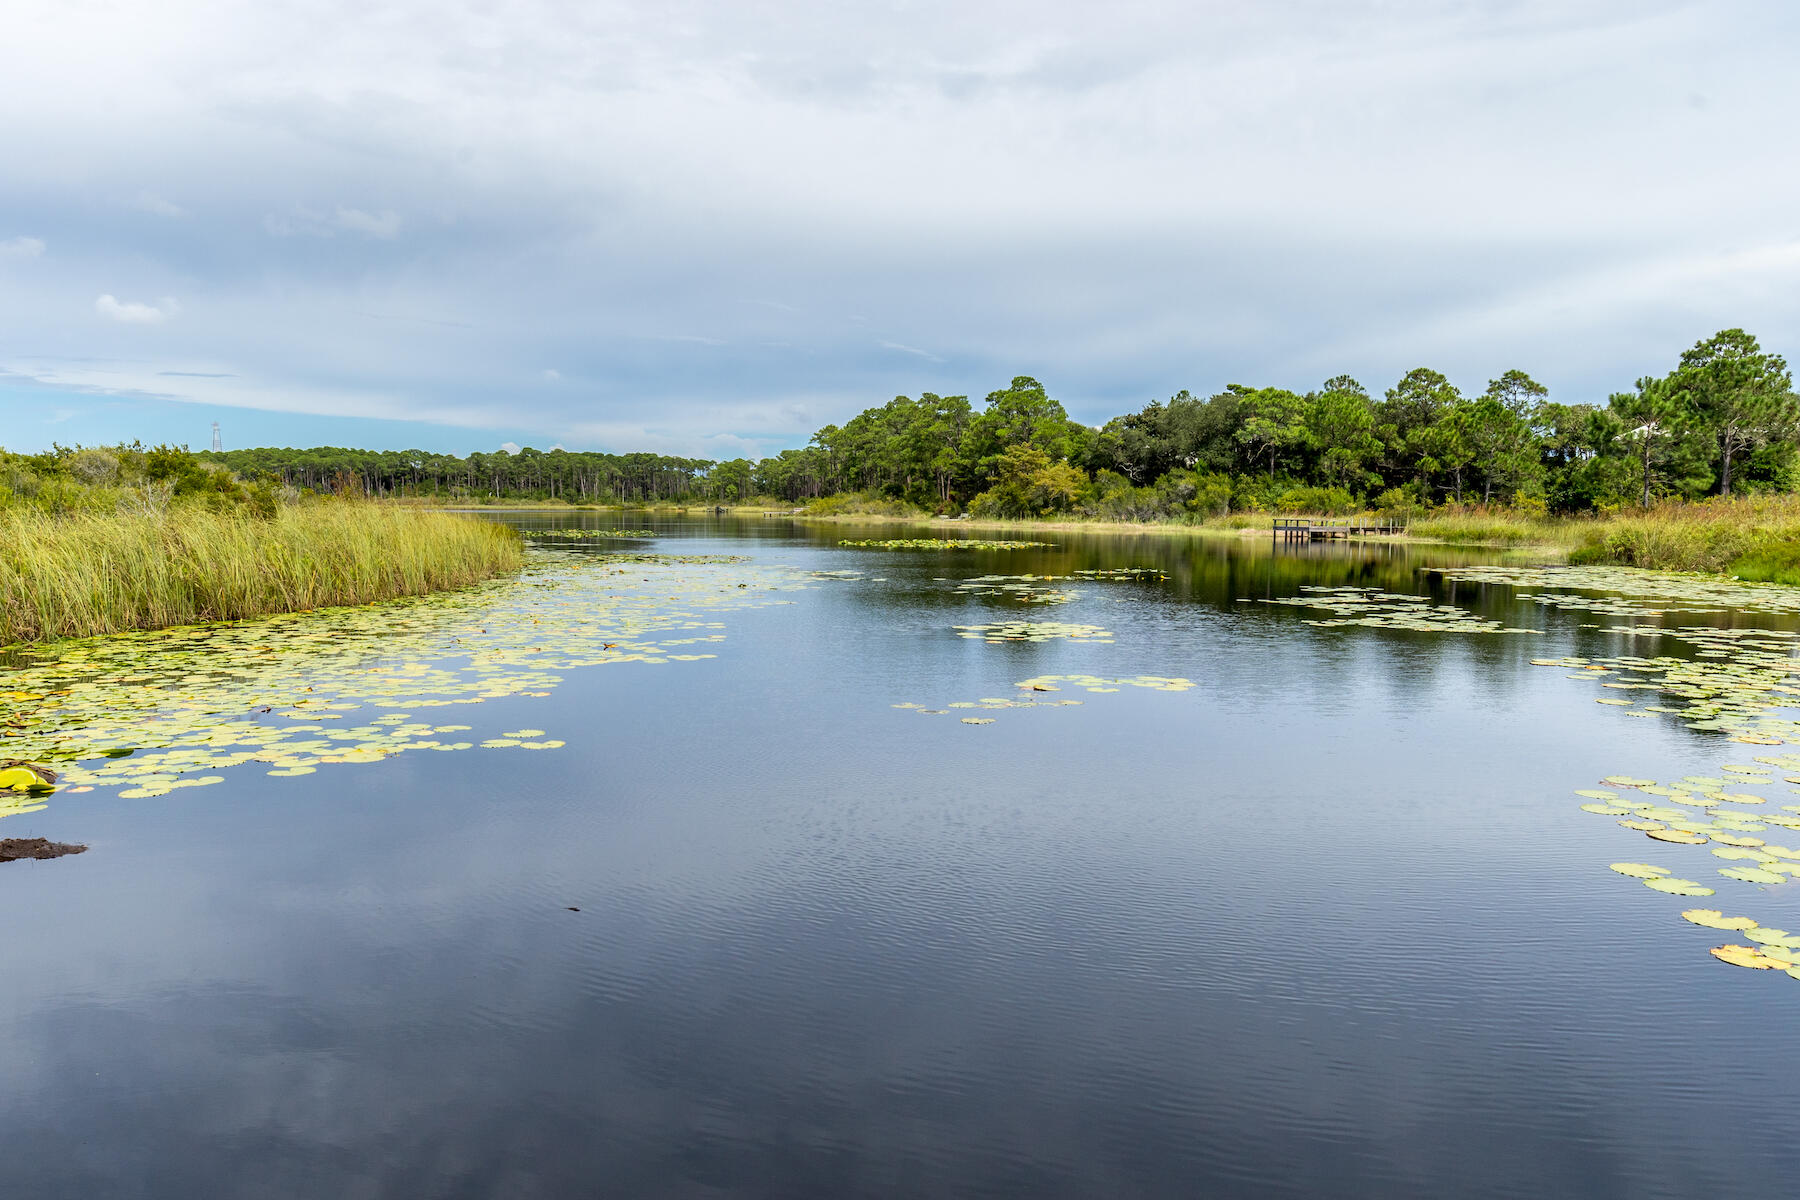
[217, 445]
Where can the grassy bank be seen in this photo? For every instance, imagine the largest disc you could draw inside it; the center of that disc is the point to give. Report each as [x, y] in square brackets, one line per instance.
[81, 574]
[1753, 538]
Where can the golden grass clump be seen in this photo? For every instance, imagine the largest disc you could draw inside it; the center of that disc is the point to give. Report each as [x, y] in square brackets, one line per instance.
[84, 574]
[1752, 537]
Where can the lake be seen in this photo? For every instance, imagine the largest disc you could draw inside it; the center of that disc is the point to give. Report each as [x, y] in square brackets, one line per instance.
[751, 869]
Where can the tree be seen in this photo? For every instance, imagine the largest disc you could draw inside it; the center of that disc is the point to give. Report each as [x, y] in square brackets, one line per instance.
[1020, 413]
[1341, 427]
[1275, 420]
[1500, 430]
[1740, 394]
[1654, 417]
[1414, 408]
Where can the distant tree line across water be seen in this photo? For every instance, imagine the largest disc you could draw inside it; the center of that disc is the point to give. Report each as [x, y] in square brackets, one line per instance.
[1724, 420]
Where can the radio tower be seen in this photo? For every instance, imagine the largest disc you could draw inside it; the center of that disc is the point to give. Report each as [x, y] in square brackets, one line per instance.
[217, 445]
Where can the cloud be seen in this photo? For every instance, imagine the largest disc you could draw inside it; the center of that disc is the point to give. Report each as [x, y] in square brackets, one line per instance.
[552, 375]
[509, 447]
[927, 355]
[1120, 200]
[22, 247]
[384, 224]
[130, 312]
[301, 221]
[156, 206]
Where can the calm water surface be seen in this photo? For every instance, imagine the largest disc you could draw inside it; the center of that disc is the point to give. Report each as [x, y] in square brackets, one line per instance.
[1327, 924]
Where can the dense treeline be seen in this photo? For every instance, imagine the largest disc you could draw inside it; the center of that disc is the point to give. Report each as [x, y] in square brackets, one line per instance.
[537, 474]
[1723, 421]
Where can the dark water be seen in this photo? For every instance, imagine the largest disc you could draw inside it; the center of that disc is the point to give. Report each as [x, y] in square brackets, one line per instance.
[1328, 924]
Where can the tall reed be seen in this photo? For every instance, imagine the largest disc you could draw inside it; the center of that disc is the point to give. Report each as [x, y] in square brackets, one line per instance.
[84, 574]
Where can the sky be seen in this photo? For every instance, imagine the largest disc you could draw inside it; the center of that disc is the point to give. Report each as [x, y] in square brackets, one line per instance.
[711, 228]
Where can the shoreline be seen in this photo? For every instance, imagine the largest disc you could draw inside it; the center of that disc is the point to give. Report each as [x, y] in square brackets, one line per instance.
[1163, 529]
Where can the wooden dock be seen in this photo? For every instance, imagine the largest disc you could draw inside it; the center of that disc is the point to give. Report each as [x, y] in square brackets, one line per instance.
[1316, 529]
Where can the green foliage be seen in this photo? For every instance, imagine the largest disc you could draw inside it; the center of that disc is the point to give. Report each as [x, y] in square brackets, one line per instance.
[1738, 395]
[1029, 484]
[1323, 501]
[1274, 421]
[73, 480]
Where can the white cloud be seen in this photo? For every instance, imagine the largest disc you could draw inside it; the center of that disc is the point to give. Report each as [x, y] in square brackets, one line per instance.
[130, 312]
[509, 447]
[384, 224]
[927, 355]
[301, 221]
[1122, 200]
[552, 375]
[156, 206]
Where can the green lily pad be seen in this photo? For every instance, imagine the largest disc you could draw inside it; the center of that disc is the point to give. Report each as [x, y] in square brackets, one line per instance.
[1752, 875]
[1678, 887]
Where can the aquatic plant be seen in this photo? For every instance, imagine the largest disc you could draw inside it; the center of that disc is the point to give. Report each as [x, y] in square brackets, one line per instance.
[1034, 631]
[1377, 609]
[941, 544]
[576, 535]
[1032, 693]
[84, 574]
[184, 707]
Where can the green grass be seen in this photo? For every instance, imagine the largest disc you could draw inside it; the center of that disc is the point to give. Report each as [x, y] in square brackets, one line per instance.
[1755, 538]
[1497, 528]
[83, 574]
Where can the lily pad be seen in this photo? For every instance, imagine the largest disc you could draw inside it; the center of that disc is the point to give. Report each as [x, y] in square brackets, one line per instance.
[1712, 918]
[1752, 875]
[1678, 887]
[1744, 956]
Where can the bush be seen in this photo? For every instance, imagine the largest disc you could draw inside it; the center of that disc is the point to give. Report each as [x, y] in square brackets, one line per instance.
[1397, 502]
[1028, 484]
[1325, 501]
[860, 504]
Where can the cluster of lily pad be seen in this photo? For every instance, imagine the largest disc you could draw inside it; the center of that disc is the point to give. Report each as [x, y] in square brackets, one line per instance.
[1698, 811]
[152, 712]
[1742, 682]
[1026, 589]
[587, 534]
[1035, 631]
[1631, 591]
[1030, 691]
[1377, 609]
[1738, 683]
[1132, 574]
[941, 544]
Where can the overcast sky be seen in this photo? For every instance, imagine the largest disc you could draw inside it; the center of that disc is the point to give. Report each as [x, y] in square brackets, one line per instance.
[710, 228]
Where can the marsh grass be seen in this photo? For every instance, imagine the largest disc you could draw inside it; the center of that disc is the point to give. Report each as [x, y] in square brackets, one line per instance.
[82, 574]
[1754, 537]
[1498, 527]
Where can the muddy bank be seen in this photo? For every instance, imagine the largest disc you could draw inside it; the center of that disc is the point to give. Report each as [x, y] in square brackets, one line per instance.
[13, 849]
